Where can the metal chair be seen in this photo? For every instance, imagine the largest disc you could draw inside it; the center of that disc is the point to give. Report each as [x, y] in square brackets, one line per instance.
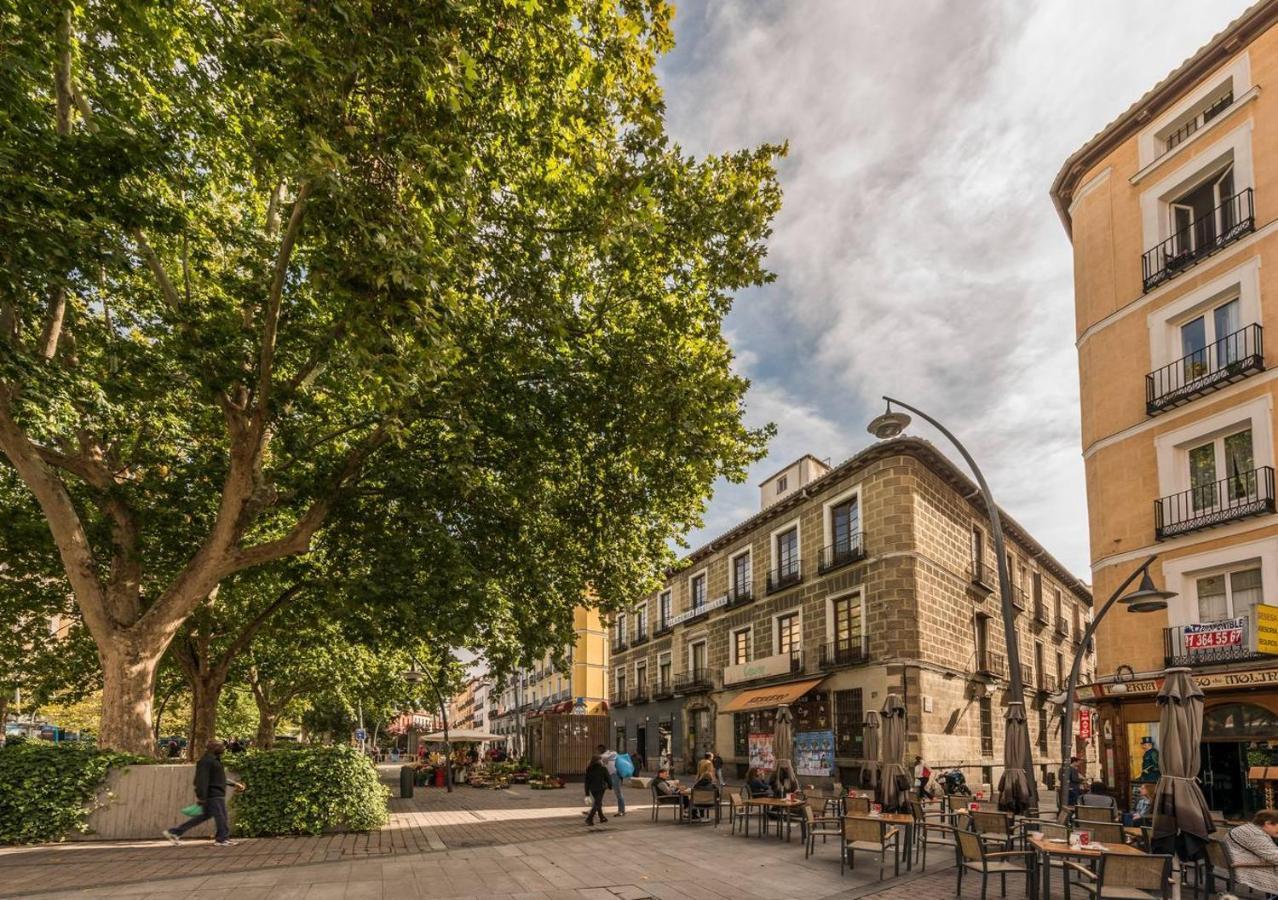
[705, 801]
[857, 806]
[926, 824]
[1118, 876]
[1093, 813]
[974, 856]
[869, 836]
[1105, 832]
[815, 826]
[994, 827]
[674, 801]
[738, 812]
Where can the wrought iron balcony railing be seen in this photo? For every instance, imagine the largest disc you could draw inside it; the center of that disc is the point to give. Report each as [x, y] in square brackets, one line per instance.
[1183, 132]
[844, 653]
[1225, 224]
[786, 576]
[1040, 611]
[693, 682]
[1209, 643]
[1062, 625]
[662, 688]
[741, 593]
[622, 698]
[842, 553]
[1240, 495]
[991, 663]
[1230, 359]
[641, 637]
[619, 644]
[984, 577]
[639, 693]
[663, 627]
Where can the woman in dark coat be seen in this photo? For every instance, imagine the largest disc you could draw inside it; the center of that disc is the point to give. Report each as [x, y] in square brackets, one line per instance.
[597, 783]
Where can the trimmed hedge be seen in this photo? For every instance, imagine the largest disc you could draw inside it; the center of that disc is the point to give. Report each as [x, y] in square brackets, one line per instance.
[308, 790]
[48, 790]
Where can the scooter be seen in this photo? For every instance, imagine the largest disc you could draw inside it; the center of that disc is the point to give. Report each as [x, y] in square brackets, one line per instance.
[955, 783]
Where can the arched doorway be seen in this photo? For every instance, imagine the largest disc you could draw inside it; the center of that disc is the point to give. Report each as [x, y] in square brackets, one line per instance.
[1236, 737]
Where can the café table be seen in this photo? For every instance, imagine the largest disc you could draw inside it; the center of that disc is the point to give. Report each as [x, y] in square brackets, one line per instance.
[1047, 849]
[904, 820]
[783, 807]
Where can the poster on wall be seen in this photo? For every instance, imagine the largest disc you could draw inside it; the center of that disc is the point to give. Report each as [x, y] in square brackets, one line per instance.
[814, 753]
[1142, 752]
[761, 751]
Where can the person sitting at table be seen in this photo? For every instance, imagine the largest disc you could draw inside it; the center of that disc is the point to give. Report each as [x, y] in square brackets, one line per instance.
[756, 784]
[1096, 796]
[1143, 812]
[1251, 847]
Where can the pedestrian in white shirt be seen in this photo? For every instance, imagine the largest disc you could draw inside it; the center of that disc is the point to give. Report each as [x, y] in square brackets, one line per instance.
[609, 759]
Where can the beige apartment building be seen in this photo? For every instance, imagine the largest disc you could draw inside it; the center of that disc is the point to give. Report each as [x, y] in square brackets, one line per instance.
[852, 582]
[1171, 210]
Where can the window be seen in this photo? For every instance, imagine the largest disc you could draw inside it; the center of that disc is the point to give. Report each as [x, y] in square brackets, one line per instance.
[788, 637]
[664, 601]
[697, 658]
[697, 589]
[1038, 663]
[982, 642]
[740, 646]
[845, 615]
[1204, 111]
[1057, 605]
[1204, 340]
[1201, 215]
[1042, 730]
[641, 622]
[741, 574]
[641, 675]
[1227, 459]
[844, 527]
[978, 550]
[1039, 612]
[663, 670]
[1229, 595]
[781, 483]
[987, 726]
[788, 552]
[621, 684]
[849, 724]
[619, 636]
[1078, 622]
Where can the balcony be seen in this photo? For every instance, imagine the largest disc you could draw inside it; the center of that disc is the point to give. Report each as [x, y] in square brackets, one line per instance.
[619, 644]
[640, 694]
[1209, 643]
[1046, 683]
[1019, 598]
[841, 553]
[694, 682]
[1230, 359]
[641, 637]
[741, 594]
[1239, 496]
[844, 653]
[662, 689]
[1040, 611]
[990, 663]
[785, 577]
[984, 578]
[1225, 224]
[622, 698]
[1062, 625]
[663, 628]
[768, 667]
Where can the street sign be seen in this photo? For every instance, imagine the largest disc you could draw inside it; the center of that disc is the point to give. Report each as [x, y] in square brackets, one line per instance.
[360, 734]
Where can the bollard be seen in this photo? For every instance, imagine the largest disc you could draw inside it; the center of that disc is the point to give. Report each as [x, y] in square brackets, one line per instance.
[406, 781]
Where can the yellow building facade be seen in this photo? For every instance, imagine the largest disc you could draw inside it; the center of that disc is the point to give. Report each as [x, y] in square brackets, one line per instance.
[1171, 211]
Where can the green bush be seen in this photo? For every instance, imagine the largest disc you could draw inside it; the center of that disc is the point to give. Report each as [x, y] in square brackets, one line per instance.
[308, 790]
[47, 790]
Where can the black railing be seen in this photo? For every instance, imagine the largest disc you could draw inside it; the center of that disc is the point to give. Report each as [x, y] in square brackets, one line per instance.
[662, 628]
[786, 576]
[1180, 134]
[619, 644]
[1203, 237]
[1046, 683]
[851, 652]
[691, 682]
[639, 693]
[1230, 359]
[1062, 625]
[641, 637]
[1019, 598]
[984, 577]
[1183, 648]
[741, 593]
[662, 688]
[990, 663]
[841, 553]
[1040, 611]
[622, 698]
[1240, 495]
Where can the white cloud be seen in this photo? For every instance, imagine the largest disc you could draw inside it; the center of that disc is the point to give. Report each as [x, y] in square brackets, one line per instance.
[918, 253]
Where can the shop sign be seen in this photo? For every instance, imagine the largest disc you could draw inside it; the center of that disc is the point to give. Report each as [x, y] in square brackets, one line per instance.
[1207, 681]
[1213, 635]
[778, 664]
[696, 611]
[1266, 629]
[1085, 724]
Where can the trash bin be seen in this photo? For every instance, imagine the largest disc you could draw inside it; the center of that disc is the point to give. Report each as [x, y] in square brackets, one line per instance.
[439, 776]
[406, 781]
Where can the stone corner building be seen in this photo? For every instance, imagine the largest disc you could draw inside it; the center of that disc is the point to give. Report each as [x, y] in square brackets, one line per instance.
[872, 577]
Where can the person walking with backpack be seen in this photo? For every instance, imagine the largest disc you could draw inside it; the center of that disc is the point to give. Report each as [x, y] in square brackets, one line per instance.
[609, 760]
[597, 781]
[210, 793]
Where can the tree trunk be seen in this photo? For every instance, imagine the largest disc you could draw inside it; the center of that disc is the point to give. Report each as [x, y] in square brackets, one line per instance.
[128, 692]
[206, 692]
[4, 705]
[265, 728]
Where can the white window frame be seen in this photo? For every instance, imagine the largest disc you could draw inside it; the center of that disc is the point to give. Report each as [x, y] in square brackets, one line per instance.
[796, 611]
[665, 657]
[783, 481]
[859, 593]
[622, 632]
[701, 639]
[619, 680]
[1164, 323]
[732, 569]
[827, 523]
[748, 631]
[1152, 139]
[773, 564]
[666, 607]
[700, 573]
[641, 664]
[641, 617]
[1172, 448]
[1182, 573]
[1155, 200]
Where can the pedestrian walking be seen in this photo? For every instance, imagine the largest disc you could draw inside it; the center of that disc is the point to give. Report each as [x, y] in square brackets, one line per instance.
[210, 793]
[718, 768]
[1074, 787]
[609, 760]
[597, 780]
[922, 774]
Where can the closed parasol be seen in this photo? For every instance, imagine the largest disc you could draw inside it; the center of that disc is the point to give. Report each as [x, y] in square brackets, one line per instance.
[1182, 821]
[1016, 792]
[894, 783]
[870, 774]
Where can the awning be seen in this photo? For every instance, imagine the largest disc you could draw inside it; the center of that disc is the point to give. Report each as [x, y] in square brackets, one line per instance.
[769, 697]
[461, 736]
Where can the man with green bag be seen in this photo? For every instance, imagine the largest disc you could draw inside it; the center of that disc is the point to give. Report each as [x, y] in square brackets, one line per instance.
[210, 794]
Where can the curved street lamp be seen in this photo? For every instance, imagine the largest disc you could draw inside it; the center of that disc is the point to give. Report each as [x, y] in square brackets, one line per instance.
[889, 425]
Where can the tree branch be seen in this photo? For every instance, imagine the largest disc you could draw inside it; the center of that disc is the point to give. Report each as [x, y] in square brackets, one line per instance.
[153, 263]
[250, 630]
[55, 312]
[274, 299]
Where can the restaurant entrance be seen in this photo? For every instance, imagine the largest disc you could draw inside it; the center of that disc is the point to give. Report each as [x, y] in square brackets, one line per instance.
[1236, 737]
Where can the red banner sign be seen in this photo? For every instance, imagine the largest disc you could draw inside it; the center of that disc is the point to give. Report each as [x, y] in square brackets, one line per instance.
[1228, 633]
[1085, 724]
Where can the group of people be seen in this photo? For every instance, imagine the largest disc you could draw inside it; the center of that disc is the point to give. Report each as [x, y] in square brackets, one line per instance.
[602, 775]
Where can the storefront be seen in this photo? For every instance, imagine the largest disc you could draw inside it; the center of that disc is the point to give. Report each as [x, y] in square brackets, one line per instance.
[753, 714]
[1240, 731]
[652, 729]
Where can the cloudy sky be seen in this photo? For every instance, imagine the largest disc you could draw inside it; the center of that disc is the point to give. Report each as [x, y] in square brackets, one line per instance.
[917, 252]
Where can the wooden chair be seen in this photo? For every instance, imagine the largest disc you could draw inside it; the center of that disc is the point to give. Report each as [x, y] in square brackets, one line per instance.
[674, 801]
[869, 836]
[1093, 814]
[705, 801]
[994, 827]
[974, 856]
[815, 826]
[738, 812]
[1104, 832]
[1118, 875]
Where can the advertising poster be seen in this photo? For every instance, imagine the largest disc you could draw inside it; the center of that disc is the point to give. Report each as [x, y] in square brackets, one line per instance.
[814, 753]
[761, 751]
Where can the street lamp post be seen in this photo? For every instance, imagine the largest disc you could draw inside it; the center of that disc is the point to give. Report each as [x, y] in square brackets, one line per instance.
[1146, 598]
[891, 424]
[414, 676]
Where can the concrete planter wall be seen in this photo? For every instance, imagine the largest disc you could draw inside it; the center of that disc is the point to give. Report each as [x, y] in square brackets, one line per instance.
[139, 802]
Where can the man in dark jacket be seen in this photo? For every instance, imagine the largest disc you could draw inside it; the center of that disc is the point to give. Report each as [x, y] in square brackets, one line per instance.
[210, 793]
[597, 783]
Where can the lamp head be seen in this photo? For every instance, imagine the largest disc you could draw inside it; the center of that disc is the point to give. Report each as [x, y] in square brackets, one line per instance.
[889, 424]
[412, 676]
[1147, 598]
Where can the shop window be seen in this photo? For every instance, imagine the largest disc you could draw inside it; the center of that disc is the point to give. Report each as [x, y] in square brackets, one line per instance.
[849, 724]
[1240, 720]
[812, 712]
[740, 734]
